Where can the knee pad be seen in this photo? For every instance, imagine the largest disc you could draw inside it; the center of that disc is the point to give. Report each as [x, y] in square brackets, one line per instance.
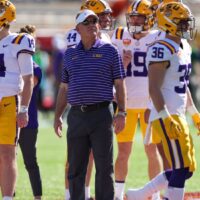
[178, 177]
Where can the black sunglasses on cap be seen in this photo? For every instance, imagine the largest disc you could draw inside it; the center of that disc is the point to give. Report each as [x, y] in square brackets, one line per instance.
[92, 21]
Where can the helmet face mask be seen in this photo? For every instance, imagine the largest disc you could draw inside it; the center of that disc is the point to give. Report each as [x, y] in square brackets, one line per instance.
[176, 19]
[140, 12]
[7, 13]
[103, 10]
[185, 28]
[136, 23]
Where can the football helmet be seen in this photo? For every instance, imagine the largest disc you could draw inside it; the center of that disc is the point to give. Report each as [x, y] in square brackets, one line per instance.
[176, 19]
[7, 13]
[156, 3]
[103, 10]
[139, 8]
[97, 6]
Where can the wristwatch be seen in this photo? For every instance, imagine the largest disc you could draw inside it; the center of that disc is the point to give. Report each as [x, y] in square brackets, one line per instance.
[122, 113]
[23, 109]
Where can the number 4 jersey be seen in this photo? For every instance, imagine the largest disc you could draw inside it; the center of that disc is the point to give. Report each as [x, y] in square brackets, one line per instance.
[177, 74]
[10, 74]
[136, 73]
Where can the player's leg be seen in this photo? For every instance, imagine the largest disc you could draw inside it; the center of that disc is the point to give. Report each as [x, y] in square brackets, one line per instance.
[88, 177]
[165, 162]
[27, 142]
[67, 194]
[124, 140]
[153, 157]
[8, 139]
[180, 154]
[8, 169]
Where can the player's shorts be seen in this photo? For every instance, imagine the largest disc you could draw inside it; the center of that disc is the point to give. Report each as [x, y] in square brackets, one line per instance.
[9, 132]
[128, 134]
[180, 152]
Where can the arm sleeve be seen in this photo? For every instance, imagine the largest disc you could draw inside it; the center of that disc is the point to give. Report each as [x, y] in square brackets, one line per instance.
[118, 68]
[65, 76]
[25, 63]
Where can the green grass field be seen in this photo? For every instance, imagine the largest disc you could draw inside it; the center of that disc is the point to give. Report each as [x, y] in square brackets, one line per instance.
[52, 155]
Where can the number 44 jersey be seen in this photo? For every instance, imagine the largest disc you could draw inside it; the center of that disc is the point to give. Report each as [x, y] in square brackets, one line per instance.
[10, 73]
[177, 74]
[136, 72]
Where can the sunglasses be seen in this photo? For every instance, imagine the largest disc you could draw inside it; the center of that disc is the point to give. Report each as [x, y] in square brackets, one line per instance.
[87, 22]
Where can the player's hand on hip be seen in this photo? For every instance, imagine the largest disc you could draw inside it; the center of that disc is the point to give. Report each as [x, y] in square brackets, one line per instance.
[196, 120]
[119, 123]
[172, 127]
[127, 56]
[22, 119]
[58, 126]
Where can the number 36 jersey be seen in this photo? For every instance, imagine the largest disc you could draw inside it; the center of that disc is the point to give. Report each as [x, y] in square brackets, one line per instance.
[10, 73]
[177, 74]
[136, 72]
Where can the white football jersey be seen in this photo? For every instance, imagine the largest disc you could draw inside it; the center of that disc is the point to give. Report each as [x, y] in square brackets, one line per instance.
[136, 73]
[73, 38]
[177, 75]
[11, 46]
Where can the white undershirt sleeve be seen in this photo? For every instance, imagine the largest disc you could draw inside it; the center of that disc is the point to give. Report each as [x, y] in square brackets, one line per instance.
[25, 61]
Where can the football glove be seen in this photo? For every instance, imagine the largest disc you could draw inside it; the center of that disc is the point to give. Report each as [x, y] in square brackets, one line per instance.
[196, 120]
[172, 127]
[195, 116]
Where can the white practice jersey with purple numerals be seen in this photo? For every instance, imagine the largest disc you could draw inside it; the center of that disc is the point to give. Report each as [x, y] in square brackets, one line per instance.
[136, 73]
[177, 75]
[11, 46]
[73, 38]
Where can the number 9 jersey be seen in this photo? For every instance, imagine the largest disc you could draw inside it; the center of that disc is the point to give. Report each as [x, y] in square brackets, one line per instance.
[177, 75]
[10, 73]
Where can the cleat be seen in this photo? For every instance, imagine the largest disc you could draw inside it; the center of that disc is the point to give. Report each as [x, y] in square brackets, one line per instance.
[135, 194]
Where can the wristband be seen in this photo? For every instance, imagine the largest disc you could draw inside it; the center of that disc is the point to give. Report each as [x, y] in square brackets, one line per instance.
[122, 113]
[192, 110]
[23, 109]
[164, 113]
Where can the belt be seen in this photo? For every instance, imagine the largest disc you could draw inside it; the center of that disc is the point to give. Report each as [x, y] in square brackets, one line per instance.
[92, 107]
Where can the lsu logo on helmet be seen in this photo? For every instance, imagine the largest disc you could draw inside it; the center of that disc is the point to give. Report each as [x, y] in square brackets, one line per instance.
[140, 8]
[176, 19]
[97, 6]
[7, 13]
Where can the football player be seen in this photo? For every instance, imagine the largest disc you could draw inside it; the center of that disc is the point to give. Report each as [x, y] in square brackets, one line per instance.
[104, 12]
[169, 62]
[16, 85]
[132, 43]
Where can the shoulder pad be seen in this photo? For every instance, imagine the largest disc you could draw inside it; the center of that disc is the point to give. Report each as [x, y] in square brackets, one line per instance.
[18, 38]
[166, 44]
[119, 33]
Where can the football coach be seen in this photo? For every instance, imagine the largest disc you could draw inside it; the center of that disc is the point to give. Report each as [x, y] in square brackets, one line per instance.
[90, 71]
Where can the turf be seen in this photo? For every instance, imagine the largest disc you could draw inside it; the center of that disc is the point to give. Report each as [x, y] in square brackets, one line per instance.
[51, 159]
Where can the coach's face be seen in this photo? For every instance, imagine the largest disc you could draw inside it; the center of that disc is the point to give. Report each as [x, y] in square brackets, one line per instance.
[89, 28]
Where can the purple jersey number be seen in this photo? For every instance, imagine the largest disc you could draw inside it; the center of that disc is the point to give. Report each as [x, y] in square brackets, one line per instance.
[140, 66]
[2, 66]
[186, 69]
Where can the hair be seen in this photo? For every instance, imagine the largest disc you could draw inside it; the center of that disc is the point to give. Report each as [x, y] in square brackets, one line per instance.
[30, 29]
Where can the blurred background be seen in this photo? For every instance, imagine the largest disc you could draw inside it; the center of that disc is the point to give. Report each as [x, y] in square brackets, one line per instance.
[53, 18]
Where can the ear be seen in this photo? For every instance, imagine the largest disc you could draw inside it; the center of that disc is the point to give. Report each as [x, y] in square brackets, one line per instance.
[78, 28]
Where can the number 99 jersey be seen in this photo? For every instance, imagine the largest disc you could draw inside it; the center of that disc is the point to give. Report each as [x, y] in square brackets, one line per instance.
[10, 73]
[177, 74]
